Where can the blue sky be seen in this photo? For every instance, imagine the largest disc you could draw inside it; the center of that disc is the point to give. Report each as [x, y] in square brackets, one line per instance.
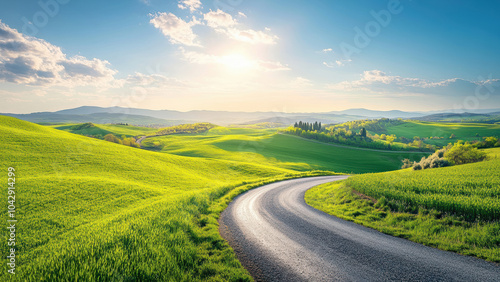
[249, 55]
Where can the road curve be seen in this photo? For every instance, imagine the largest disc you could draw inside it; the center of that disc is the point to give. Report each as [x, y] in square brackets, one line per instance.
[278, 237]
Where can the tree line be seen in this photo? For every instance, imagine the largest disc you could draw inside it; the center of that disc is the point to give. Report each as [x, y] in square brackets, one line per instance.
[316, 126]
[342, 134]
[185, 128]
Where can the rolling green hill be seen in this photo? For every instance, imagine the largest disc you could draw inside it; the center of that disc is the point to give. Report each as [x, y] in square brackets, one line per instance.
[454, 208]
[93, 210]
[103, 129]
[265, 146]
[462, 131]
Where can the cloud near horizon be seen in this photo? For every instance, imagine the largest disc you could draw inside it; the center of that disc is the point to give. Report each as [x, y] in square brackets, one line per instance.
[379, 82]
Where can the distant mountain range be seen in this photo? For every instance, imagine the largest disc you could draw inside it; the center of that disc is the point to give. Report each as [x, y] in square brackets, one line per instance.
[167, 117]
[379, 114]
[100, 118]
[463, 117]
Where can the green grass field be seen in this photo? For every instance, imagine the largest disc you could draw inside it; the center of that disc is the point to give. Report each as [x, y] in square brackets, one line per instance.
[462, 131]
[455, 208]
[265, 146]
[103, 129]
[96, 211]
[493, 153]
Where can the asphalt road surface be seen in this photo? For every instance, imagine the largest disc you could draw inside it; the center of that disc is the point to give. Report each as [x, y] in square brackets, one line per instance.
[278, 237]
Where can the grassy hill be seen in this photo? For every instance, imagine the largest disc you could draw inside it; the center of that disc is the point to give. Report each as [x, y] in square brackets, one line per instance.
[285, 151]
[455, 208]
[462, 131]
[96, 211]
[103, 129]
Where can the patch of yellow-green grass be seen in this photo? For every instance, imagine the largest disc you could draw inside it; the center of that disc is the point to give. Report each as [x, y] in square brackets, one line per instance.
[493, 153]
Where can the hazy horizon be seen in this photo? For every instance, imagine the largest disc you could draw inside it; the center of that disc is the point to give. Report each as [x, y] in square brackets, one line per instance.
[482, 110]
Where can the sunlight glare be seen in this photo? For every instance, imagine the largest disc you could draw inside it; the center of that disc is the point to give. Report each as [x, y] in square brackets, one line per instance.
[237, 62]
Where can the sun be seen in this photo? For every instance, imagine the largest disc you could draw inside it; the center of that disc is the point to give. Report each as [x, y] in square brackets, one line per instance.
[237, 62]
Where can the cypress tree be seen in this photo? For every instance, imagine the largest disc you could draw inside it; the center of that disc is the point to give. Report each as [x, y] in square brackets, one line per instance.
[362, 132]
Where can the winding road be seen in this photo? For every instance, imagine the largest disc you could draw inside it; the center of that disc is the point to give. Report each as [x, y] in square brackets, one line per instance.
[278, 237]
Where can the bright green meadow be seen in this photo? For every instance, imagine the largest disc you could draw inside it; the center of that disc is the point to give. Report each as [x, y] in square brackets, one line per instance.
[285, 151]
[454, 208]
[462, 131]
[93, 210]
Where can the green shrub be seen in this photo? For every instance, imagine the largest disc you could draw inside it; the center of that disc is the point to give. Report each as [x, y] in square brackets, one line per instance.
[407, 163]
[461, 153]
[433, 161]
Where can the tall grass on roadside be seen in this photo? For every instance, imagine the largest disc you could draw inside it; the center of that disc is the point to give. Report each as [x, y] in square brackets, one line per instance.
[471, 191]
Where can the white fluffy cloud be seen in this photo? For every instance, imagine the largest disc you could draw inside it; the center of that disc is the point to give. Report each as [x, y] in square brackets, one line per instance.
[192, 5]
[33, 61]
[219, 19]
[177, 30]
[250, 36]
[223, 22]
[377, 81]
[181, 32]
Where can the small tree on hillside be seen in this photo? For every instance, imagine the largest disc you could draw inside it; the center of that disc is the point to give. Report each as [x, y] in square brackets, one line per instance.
[111, 138]
[362, 132]
[390, 139]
